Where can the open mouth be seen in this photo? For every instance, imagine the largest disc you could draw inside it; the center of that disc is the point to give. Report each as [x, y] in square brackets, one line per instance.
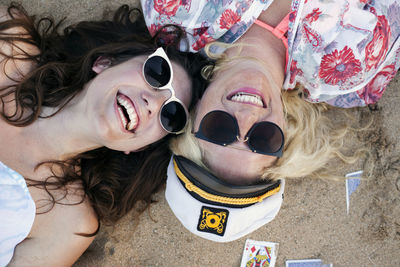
[127, 112]
[248, 96]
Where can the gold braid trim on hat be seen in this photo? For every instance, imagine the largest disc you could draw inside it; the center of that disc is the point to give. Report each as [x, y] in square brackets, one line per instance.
[221, 199]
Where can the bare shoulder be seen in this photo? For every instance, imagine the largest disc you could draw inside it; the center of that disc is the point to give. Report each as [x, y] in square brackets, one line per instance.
[75, 215]
[55, 238]
[275, 12]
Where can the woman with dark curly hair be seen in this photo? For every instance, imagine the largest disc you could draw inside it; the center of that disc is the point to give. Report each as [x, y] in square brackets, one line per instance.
[74, 105]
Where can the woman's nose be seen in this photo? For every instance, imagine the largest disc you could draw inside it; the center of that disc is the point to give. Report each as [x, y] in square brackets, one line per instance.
[246, 119]
[154, 100]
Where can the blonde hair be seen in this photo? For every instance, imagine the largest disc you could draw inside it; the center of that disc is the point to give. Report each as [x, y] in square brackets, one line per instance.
[312, 139]
[187, 145]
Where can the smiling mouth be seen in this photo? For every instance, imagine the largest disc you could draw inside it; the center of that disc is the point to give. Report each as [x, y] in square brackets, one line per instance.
[247, 98]
[127, 112]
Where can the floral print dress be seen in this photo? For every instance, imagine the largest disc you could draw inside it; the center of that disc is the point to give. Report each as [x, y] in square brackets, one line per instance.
[343, 52]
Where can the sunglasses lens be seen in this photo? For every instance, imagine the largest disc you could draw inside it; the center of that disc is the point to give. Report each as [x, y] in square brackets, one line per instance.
[157, 71]
[266, 137]
[219, 127]
[173, 117]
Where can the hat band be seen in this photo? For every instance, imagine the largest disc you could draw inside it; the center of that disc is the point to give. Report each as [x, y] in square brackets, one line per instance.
[241, 201]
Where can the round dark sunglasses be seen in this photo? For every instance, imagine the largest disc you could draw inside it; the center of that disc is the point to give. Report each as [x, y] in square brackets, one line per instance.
[221, 128]
[158, 73]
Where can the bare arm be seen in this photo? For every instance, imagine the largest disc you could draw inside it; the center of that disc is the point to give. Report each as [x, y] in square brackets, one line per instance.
[57, 249]
[52, 241]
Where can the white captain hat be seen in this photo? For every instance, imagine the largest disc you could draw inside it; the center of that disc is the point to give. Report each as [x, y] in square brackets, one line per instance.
[215, 210]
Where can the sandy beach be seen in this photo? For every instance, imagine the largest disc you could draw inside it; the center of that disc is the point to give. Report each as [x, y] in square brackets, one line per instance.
[312, 223]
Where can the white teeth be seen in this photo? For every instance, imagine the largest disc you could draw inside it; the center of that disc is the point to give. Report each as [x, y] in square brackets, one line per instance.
[131, 125]
[247, 98]
[131, 112]
[122, 116]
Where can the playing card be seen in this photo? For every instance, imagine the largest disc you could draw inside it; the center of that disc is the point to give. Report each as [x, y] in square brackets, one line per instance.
[307, 263]
[352, 182]
[259, 253]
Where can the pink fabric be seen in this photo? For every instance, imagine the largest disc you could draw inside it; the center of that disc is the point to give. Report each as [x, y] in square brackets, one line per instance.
[280, 31]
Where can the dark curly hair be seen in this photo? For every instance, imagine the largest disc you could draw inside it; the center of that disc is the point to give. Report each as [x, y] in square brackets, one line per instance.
[112, 181]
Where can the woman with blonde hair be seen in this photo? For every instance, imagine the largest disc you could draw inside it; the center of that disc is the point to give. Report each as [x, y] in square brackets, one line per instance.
[246, 130]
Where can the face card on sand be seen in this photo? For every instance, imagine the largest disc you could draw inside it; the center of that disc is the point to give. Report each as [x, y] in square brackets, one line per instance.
[259, 253]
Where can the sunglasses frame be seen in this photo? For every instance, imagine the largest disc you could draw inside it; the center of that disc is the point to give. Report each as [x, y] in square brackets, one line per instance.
[199, 134]
[160, 52]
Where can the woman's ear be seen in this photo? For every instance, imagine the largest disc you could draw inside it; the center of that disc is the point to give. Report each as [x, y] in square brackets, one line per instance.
[101, 63]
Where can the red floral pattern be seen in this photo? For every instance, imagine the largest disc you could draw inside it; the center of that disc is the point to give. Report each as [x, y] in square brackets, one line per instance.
[314, 15]
[228, 19]
[202, 41]
[292, 16]
[153, 29]
[199, 31]
[294, 71]
[376, 50]
[336, 50]
[312, 36]
[167, 7]
[374, 89]
[339, 66]
[166, 35]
